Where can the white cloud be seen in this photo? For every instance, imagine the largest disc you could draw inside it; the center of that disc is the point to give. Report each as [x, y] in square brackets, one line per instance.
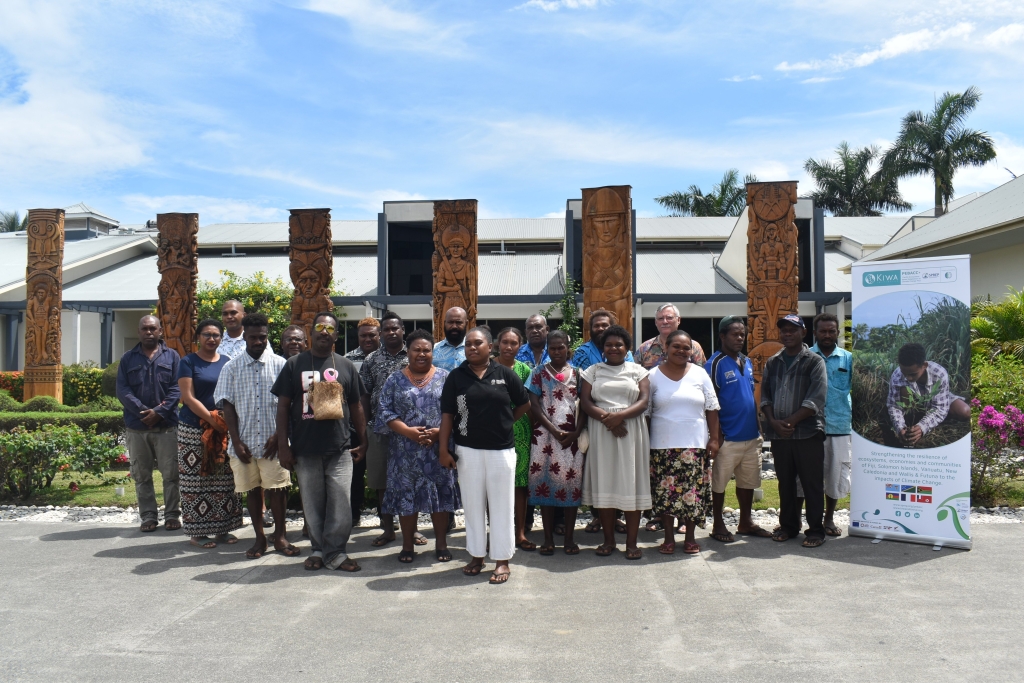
[741, 79]
[410, 30]
[555, 5]
[210, 209]
[900, 44]
[1005, 35]
[820, 79]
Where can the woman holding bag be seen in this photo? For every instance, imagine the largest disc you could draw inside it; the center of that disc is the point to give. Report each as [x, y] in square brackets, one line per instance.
[556, 461]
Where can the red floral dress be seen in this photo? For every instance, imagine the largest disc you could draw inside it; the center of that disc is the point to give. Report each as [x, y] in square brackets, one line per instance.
[556, 473]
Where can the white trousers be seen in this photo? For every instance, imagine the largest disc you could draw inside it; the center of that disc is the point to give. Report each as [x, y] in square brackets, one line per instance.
[487, 480]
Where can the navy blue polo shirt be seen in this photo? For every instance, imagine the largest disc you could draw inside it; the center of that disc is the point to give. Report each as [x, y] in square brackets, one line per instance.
[734, 383]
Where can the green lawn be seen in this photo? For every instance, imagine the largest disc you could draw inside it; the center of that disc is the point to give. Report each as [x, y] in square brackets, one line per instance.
[771, 497]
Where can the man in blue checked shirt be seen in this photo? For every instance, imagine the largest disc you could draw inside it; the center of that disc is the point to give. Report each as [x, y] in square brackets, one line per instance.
[450, 352]
[535, 351]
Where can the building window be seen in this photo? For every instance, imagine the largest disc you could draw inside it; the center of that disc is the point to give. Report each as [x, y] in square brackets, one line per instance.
[410, 246]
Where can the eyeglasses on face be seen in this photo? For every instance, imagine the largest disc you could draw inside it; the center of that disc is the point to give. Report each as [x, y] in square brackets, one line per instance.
[324, 327]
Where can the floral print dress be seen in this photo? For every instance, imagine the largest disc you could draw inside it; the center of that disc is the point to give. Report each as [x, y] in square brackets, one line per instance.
[416, 480]
[556, 473]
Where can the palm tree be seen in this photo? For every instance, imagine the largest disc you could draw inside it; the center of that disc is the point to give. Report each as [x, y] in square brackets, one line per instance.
[997, 327]
[938, 144]
[727, 198]
[10, 221]
[848, 188]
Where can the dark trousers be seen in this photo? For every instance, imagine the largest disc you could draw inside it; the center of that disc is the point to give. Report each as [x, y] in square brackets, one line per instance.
[358, 493]
[804, 458]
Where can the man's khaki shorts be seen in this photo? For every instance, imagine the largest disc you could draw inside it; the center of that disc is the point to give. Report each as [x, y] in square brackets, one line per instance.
[742, 458]
[259, 473]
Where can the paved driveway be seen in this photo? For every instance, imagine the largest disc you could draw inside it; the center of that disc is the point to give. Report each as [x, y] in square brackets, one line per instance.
[105, 603]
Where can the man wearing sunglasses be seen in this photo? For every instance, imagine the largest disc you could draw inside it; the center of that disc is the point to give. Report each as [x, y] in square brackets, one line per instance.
[320, 451]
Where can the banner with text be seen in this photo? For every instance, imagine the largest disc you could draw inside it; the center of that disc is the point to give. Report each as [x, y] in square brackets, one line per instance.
[911, 392]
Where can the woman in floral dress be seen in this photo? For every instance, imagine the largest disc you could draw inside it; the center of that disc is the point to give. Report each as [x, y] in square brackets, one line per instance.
[684, 440]
[508, 343]
[556, 462]
[410, 410]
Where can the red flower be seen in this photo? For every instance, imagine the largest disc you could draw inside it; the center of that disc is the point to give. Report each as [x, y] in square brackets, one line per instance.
[73, 486]
[560, 495]
[535, 467]
[576, 494]
[554, 468]
[542, 491]
[570, 474]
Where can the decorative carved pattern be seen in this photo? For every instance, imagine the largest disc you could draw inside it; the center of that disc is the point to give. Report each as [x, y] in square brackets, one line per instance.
[454, 260]
[607, 253]
[177, 260]
[43, 281]
[312, 265]
[772, 273]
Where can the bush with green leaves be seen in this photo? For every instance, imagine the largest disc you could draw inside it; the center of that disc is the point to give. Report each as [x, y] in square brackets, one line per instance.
[567, 308]
[83, 382]
[31, 458]
[108, 381]
[105, 413]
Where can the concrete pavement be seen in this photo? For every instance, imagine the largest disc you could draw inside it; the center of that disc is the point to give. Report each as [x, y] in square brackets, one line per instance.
[107, 603]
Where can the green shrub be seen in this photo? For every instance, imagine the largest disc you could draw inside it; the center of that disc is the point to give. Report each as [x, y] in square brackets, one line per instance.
[100, 405]
[108, 380]
[82, 383]
[997, 381]
[30, 458]
[14, 383]
[44, 404]
[107, 422]
[7, 403]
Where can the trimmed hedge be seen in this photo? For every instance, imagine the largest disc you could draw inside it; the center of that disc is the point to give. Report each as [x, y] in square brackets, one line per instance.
[107, 422]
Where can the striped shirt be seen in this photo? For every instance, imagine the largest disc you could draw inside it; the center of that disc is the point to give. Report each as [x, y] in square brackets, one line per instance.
[245, 383]
[803, 384]
[936, 380]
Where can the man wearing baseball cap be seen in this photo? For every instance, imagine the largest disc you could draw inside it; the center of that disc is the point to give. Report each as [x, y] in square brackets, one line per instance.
[793, 389]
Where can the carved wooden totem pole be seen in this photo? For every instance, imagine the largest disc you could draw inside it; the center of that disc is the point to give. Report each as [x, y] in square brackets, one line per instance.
[43, 280]
[312, 265]
[772, 273]
[454, 260]
[177, 260]
[608, 253]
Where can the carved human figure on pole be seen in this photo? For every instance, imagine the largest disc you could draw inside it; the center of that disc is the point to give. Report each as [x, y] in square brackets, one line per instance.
[454, 260]
[43, 278]
[178, 264]
[607, 253]
[311, 265]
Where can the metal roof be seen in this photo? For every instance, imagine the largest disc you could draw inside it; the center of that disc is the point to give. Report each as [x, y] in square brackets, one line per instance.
[521, 229]
[14, 252]
[685, 227]
[277, 232]
[1003, 205]
[835, 279]
[83, 210]
[681, 272]
[525, 274]
[863, 229]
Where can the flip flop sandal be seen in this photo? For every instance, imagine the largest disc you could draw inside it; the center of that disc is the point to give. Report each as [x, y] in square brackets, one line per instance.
[472, 570]
[172, 525]
[527, 545]
[419, 539]
[229, 539]
[572, 549]
[383, 540]
[288, 550]
[691, 548]
[148, 526]
[603, 551]
[620, 526]
[255, 555]
[813, 542]
[634, 554]
[559, 530]
[313, 563]
[593, 527]
[443, 555]
[207, 544]
[498, 579]
[780, 536]
[724, 538]
[757, 532]
[406, 556]
[833, 531]
[653, 526]
[547, 549]
[350, 566]
[667, 548]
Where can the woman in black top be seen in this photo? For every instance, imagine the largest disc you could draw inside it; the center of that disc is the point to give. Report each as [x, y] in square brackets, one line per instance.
[477, 409]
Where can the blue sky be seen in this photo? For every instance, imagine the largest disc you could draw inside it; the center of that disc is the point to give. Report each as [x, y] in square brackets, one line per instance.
[242, 110]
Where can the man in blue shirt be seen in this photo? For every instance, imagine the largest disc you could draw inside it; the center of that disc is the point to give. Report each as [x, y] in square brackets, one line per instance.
[148, 389]
[838, 409]
[450, 352]
[732, 375]
[535, 351]
[589, 354]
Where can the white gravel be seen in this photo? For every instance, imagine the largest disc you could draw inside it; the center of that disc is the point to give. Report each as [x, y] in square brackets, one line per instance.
[115, 515]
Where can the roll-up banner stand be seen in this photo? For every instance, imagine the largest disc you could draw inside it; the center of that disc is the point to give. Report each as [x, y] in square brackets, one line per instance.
[911, 392]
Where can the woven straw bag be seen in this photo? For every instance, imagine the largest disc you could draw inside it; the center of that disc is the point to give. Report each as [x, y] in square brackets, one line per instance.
[327, 398]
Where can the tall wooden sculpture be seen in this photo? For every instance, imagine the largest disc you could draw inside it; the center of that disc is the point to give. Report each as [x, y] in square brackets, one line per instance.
[607, 253]
[454, 260]
[312, 265]
[43, 281]
[177, 260]
[772, 272]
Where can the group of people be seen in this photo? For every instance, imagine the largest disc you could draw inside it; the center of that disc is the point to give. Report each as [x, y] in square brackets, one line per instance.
[494, 424]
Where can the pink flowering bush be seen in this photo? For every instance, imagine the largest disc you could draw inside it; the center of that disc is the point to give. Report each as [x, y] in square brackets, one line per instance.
[998, 452]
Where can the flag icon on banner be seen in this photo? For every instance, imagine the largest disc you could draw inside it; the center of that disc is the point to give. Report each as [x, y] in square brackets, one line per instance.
[892, 496]
[892, 488]
[908, 489]
[921, 499]
[927, 490]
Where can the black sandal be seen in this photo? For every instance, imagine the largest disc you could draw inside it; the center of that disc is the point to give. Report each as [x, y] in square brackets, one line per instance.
[444, 555]
[406, 556]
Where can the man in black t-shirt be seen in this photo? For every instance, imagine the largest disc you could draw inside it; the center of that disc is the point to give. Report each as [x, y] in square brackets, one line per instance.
[319, 450]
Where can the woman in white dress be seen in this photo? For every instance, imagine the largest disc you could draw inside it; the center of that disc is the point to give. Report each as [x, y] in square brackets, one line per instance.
[617, 474]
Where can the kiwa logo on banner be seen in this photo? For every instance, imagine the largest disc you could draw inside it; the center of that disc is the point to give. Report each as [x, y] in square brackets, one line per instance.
[908, 276]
